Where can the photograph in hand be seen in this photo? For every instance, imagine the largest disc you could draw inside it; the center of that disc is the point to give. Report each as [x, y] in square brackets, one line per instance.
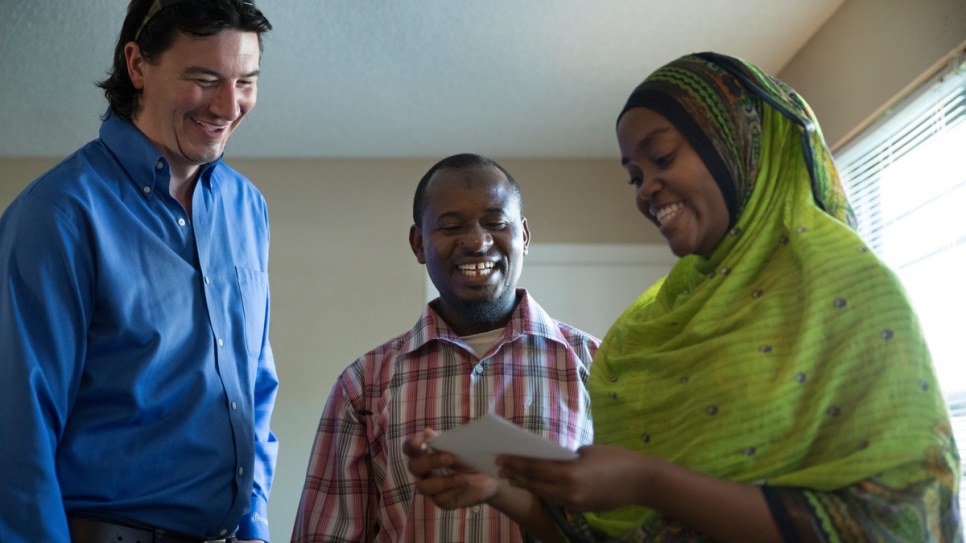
[478, 443]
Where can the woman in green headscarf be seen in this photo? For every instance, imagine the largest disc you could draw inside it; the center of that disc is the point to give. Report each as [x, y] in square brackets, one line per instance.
[775, 386]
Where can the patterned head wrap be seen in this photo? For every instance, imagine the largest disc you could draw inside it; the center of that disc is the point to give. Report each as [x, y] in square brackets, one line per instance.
[715, 101]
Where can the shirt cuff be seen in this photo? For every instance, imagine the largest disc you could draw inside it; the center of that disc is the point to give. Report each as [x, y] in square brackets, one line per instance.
[254, 525]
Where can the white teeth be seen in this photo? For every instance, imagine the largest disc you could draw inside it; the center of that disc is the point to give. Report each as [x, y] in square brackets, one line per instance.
[472, 270]
[667, 212]
[206, 125]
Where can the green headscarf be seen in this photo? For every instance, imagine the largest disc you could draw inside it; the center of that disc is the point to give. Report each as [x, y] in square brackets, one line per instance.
[790, 355]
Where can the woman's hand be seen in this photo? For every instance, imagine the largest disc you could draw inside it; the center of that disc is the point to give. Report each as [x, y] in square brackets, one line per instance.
[603, 478]
[606, 478]
[441, 478]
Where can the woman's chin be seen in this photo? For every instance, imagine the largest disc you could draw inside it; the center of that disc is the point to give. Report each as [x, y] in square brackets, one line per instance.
[680, 250]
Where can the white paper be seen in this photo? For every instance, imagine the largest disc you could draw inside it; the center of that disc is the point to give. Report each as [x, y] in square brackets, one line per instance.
[478, 443]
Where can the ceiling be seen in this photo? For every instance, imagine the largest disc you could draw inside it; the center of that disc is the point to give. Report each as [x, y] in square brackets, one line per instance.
[403, 78]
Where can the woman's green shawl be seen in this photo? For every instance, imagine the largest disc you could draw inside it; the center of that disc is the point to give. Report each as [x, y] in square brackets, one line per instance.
[790, 356]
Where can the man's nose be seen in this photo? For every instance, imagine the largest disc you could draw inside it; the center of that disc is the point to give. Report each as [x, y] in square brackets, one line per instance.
[227, 102]
[477, 239]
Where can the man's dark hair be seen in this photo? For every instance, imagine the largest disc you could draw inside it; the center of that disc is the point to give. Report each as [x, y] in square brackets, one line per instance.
[458, 162]
[199, 18]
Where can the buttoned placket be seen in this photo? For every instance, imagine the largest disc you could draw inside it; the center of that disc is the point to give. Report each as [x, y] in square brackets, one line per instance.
[202, 227]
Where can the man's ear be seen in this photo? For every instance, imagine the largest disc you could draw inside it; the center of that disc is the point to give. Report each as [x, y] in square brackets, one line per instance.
[135, 64]
[416, 243]
[526, 237]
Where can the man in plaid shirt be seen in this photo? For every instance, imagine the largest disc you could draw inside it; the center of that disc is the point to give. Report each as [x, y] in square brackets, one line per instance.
[482, 345]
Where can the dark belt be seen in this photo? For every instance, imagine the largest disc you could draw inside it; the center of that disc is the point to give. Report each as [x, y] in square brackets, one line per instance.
[83, 530]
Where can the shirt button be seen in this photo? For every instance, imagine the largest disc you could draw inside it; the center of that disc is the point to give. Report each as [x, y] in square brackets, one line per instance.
[180, 222]
[147, 190]
[223, 532]
[207, 280]
[234, 406]
[221, 343]
[241, 470]
[159, 165]
[478, 368]
[476, 508]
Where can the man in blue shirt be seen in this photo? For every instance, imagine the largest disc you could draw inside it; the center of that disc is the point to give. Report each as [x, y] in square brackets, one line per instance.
[136, 376]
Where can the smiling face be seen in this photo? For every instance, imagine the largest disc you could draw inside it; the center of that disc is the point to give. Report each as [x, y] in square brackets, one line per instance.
[675, 190]
[195, 95]
[472, 240]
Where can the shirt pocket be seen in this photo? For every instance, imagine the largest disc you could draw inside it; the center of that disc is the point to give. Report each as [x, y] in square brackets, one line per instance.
[253, 285]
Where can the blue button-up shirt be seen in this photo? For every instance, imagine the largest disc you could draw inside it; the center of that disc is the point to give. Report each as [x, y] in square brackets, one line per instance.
[136, 376]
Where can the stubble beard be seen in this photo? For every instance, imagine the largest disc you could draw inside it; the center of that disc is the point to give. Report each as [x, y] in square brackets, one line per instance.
[486, 312]
[203, 153]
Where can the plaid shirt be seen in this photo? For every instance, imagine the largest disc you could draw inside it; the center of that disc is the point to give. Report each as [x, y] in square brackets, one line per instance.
[357, 487]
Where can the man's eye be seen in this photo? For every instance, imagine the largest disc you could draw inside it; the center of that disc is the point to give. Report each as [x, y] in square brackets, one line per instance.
[636, 181]
[206, 82]
[500, 225]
